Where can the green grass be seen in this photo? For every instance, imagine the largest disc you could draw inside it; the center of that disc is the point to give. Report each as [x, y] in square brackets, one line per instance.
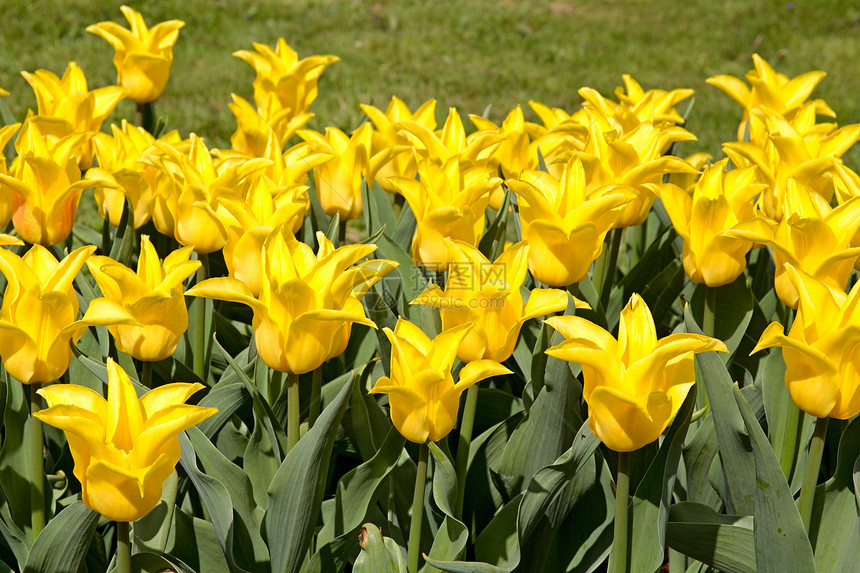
[470, 54]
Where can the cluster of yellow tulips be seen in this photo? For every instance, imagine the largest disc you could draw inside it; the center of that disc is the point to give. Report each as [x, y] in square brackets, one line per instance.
[506, 223]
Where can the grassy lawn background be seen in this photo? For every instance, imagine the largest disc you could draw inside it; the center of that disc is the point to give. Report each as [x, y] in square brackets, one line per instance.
[470, 54]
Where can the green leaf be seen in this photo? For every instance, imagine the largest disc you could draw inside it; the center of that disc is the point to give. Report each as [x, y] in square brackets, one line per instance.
[732, 315]
[736, 459]
[297, 489]
[153, 529]
[493, 240]
[649, 509]
[780, 538]
[123, 245]
[378, 213]
[228, 398]
[450, 541]
[724, 542]
[699, 454]
[835, 540]
[145, 562]
[376, 556]
[251, 551]
[15, 453]
[262, 409]
[196, 543]
[63, 544]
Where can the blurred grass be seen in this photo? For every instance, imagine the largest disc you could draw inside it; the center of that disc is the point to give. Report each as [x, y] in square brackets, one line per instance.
[470, 54]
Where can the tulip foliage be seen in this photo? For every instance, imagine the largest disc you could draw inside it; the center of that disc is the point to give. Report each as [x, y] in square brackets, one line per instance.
[545, 342]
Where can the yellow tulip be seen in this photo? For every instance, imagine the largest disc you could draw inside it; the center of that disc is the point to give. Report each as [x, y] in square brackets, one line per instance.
[451, 141]
[189, 207]
[307, 303]
[812, 237]
[122, 174]
[448, 202]
[801, 149]
[635, 159]
[66, 107]
[422, 394]
[487, 296]
[143, 56]
[45, 184]
[820, 350]
[254, 125]
[719, 200]
[338, 180]
[387, 134]
[565, 228]
[37, 319]
[153, 295]
[633, 385]
[770, 89]
[7, 200]
[280, 72]
[124, 447]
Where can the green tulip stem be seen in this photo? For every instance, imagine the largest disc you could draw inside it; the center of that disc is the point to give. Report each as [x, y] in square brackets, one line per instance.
[466, 426]
[813, 465]
[123, 547]
[145, 116]
[294, 410]
[611, 264]
[341, 232]
[316, 391]
[37, 467]
[198, 322]
[417, 510]
[708, 324]
[794, 426]
[146, 374]
[622, 493]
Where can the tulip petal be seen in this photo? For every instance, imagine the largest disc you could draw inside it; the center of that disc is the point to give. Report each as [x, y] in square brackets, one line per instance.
[477, 370]
[228, 289]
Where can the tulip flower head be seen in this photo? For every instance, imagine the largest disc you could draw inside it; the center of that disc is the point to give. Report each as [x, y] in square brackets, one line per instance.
[39, 312]
[280, 72]
[422, 394]
[45, 184]
[124, 447]
[66, 106]
[143, 56]
[565, 227]
[820, 350]
[771, 89]
[487, 296]
[153, 295]
[307, 303]
[719, 200]
[7, 201]
[633, 385]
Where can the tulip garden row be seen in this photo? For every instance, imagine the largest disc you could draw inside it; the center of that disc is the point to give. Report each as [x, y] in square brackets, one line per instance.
[550, 346]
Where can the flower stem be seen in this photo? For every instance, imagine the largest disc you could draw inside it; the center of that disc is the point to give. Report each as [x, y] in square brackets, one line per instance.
[37, 467]
[145, 116]
[466, 426]
[792, 436]
[708, 324]
[813, 465]
[417, 510]
[611, 265]
[198, 322]
[294, 410]
[146, 374]
[123, 548]
[316, 390]
[622, 492]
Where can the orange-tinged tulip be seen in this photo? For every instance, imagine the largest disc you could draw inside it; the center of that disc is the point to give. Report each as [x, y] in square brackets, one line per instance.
[719, 200]
[124, 447]
[814, 238]
[448, 202]
[66, 106]
[143, 56]
[565, 228]
[487, 296]
[280, 72]
[422, 394]
[37, 319]
[152, 295]
[820, 350]
[45, 184]
[769, 89]
[633, 385]
[307, 303]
